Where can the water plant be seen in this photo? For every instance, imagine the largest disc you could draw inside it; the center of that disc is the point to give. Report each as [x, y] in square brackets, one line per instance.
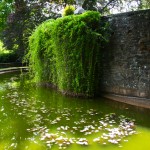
[66, 52]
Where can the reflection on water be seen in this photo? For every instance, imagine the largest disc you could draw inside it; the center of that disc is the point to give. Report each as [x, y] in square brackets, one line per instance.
[36, 118]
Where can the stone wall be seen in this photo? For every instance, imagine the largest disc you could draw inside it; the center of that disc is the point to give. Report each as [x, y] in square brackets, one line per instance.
[126, 58]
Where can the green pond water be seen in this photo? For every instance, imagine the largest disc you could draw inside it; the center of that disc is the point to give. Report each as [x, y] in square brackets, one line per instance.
[39, 118]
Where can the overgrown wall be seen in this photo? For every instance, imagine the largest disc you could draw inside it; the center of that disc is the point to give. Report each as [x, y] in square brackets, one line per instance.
[126, 59]
[65, 53]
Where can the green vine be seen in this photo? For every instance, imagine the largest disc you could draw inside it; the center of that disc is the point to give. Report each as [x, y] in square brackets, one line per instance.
[66, 52]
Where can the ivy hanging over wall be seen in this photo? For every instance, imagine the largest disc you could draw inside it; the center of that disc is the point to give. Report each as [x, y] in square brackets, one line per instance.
[66, 52]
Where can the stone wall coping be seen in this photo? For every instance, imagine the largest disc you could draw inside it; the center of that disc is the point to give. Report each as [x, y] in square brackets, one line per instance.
[130, 13]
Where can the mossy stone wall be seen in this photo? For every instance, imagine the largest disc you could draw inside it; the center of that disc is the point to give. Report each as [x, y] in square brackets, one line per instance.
[126, 58]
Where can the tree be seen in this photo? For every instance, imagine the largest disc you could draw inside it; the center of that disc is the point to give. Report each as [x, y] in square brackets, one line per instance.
[24, 17]
[145, 4]
[5, 10]
[113, 6]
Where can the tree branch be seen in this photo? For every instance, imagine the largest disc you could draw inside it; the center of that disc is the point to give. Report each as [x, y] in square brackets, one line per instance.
[102, 10]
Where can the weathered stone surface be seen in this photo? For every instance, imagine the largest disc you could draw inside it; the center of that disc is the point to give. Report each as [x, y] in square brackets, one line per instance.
[126, 58]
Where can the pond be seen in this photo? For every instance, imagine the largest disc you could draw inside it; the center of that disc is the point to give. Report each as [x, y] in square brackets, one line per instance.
[39, 118]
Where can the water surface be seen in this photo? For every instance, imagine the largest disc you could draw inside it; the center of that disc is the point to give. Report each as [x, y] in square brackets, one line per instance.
[39, 118]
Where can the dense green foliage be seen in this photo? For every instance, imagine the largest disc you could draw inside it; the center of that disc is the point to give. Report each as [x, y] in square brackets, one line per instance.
[18, 18]
[66, 52]
[7, 55]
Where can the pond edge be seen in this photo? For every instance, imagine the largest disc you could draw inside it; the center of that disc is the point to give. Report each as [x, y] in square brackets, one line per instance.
[136, 101]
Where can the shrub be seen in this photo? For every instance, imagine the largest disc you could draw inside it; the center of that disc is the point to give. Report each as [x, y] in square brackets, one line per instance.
[6, 55]
[69, 10]
[66, 52]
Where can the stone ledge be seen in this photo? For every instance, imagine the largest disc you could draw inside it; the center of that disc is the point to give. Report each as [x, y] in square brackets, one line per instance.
[130, 13]
[136, 101]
